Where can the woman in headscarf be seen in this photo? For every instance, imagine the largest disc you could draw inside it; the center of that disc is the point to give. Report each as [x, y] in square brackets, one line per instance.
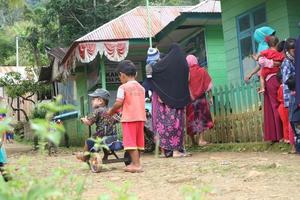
[260, 35]
[198, 114]
[273, 130]
[170, 96]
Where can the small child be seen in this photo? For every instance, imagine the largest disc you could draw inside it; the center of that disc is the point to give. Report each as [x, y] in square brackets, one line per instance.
[282, 110]
[131, 98]
[152, 58]
[105, 125]
[269, 60]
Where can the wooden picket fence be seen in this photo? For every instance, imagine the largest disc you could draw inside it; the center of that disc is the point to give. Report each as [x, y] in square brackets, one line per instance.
[237, 113]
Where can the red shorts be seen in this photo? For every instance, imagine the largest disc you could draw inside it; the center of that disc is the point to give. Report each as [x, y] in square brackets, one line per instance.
[133, 135]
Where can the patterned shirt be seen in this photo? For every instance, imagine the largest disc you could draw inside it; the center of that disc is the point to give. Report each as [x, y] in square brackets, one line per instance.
[105, 125]
[287, 69]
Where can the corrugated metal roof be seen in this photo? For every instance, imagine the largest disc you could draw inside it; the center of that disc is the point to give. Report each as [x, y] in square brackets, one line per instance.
[6, 69]
[134, 24]
[58, 52]
[206, 6]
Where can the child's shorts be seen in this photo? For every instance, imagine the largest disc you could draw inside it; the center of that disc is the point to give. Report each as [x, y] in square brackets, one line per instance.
[133, 135]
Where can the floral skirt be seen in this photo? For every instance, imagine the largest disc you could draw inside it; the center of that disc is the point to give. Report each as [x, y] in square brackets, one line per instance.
[168, 124]
[198, 116]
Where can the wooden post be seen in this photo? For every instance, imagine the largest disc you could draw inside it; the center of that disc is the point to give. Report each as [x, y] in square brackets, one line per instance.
[102, 72]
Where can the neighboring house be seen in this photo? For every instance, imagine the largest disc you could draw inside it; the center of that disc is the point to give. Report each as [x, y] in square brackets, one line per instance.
[240, 18]
[6, 101]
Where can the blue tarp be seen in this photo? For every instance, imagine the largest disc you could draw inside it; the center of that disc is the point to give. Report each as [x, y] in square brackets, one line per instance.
[67, 115]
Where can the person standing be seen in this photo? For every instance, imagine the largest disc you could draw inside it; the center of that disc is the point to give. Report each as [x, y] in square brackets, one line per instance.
[170, 96]
[198, 111]
[131, 98]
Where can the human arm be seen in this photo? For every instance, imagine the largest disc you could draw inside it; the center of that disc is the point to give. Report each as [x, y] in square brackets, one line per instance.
[86, 121]
[254, 71]
[277, 63]
[119, 102]
[210, 96]
[117, 105]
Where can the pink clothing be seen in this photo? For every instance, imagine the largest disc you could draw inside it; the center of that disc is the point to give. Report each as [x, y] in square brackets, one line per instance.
[265, 62]
[191, 60]
[132, 95]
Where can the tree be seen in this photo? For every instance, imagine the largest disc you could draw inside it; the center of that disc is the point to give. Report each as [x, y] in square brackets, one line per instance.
[17, 87]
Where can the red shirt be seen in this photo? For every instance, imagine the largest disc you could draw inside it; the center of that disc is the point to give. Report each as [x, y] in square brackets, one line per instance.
[273, 54]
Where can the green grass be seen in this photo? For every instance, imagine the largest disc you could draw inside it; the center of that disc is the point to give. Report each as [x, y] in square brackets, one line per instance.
[243, 147]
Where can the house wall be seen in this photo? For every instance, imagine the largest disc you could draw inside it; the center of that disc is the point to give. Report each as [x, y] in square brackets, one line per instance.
[293, 7]
[277, 15]
[215, 53]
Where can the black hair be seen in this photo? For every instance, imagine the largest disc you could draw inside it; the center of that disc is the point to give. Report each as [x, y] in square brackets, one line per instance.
[281, 46]
[290, 43]
[127, 67]
[291, 83]
[272, 41]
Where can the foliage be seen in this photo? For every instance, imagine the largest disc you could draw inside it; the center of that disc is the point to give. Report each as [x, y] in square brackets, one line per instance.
[193, 193]
[46, 129]
[56, 23]
[60, 184]
[17, 86]
[121, 192]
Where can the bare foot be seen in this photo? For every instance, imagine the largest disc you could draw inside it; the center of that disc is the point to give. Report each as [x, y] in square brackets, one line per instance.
[81, 156]
[203, 143]
[133, 169]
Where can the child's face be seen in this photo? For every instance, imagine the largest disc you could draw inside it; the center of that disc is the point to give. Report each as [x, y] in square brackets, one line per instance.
[98, 102]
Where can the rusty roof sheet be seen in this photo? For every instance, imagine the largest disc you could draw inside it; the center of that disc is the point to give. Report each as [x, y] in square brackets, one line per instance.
[206, 6]
[58, 52]
[134, 24]
[6, 69]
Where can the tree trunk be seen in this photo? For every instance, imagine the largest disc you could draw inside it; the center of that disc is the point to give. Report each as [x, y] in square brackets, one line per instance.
[19, 109]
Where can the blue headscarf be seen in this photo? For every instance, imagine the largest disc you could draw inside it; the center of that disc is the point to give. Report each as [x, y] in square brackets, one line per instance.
[260, 35]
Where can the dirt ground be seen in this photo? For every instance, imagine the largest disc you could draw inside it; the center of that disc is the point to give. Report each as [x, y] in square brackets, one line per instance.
[226, 175]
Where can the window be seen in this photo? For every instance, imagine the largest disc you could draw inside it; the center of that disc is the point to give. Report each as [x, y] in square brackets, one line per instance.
[246, 25]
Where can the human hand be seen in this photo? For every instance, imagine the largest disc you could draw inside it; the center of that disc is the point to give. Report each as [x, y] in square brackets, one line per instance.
[211, 101]
[255, 57]
[247, 78]
[109, 112]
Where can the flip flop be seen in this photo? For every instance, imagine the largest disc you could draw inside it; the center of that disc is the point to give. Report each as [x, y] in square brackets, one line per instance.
[182, 155]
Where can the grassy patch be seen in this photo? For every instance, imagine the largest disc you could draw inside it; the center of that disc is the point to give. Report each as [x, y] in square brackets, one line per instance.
[243, 147]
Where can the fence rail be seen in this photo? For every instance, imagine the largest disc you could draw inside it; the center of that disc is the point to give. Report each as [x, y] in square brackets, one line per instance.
[237, 113]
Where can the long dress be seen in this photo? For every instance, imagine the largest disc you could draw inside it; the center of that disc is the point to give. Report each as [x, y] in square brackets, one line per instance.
[198, 116]
[168, 124]
[272, 122]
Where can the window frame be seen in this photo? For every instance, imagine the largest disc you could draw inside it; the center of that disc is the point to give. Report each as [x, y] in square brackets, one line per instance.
[248, 32]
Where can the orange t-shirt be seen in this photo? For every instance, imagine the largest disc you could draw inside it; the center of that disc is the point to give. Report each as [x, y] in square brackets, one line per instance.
[132, 95]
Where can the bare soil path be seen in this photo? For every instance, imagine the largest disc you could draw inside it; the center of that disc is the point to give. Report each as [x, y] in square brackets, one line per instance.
[227, 176]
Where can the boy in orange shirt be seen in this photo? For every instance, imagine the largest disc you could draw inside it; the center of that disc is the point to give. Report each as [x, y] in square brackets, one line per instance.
[131, 98]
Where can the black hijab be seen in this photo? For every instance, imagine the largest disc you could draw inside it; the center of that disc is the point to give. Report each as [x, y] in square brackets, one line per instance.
[170, 78]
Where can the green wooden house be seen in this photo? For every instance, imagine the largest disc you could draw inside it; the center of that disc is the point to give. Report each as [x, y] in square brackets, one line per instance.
[198, 29]
[240, 18]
